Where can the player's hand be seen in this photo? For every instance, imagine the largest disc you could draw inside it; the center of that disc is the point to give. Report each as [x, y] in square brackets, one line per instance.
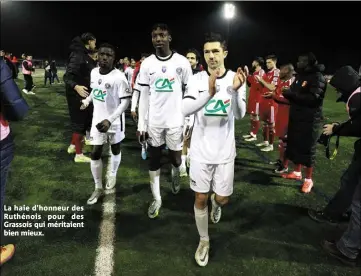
[268, 95]
[257, 78]
[103, 126]
[328, 129]
[81, 90]
[142, 136]
[134, 116]
[240, 78]
[84, 104]
[285, 88]
[212, 82]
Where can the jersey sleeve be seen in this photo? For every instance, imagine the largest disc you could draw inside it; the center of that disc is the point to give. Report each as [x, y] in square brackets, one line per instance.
[123, 89]
[143, 74]
[187, 73]
[276, 75]
[191, 90]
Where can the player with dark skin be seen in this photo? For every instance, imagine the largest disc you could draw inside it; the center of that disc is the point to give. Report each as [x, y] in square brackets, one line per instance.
[161, 42]
[106, 59]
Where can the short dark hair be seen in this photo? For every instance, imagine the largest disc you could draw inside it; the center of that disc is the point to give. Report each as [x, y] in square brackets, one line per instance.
[215, 37]
[273, 57]
[107, 45]
[312, 60]
[260, 61]
[162, 26]
[195, 52]
[85, 37]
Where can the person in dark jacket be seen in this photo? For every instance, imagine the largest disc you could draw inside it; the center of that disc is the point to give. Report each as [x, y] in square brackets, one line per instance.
[306, 96]
[13, 107]
[54, 72]
[194, 59]
[348, 85]
[347, 82]
[10, 64]
[77, 87]
[47, 73]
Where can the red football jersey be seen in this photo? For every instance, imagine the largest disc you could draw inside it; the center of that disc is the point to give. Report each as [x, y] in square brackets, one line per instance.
[271, 77]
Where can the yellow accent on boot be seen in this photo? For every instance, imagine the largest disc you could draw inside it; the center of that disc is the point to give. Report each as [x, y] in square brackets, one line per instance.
[80, 158]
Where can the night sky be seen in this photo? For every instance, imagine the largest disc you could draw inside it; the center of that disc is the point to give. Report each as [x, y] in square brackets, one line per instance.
[330, 29]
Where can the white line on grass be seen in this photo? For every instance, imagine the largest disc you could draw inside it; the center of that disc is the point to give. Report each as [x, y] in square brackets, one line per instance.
[104, 261]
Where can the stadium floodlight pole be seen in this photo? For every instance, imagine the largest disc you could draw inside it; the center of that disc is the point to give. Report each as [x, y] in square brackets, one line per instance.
[229, 13]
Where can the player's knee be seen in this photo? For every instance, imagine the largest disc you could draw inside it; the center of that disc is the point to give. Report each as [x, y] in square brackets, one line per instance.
[96, 154]
[222, 200]
[115, 149]
[201, 200]
[155, 154]
[175, 158]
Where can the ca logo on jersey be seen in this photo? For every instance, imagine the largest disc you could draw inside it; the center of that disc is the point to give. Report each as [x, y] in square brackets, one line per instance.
[217, 107]
[99, 94]
[164, 85]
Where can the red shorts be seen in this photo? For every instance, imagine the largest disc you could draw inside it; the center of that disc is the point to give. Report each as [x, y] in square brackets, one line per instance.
[282, 120]
[253, 104]
[267, 110]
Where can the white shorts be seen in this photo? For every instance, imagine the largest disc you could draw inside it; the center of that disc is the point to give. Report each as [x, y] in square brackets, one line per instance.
[113, 136]
[217, 177]
[172, 137]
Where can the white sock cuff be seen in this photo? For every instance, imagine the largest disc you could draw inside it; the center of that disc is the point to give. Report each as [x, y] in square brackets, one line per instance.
[154, 173]
[96, 162]
[200, 212]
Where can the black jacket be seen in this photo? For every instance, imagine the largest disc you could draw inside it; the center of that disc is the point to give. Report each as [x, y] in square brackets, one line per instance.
[306, 96]
[13, 105]
[79, 67]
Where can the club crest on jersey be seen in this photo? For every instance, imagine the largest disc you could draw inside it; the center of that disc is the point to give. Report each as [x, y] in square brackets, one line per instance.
[164, 69]
[230, 90]
[217, 107]
[107, 85]
[100, 81]
[179, 70]
[164, 85]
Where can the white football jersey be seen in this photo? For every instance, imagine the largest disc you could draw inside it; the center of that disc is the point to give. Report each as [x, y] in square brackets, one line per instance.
[165, 78]
[213, 137]
[129, 74]
[107, 93]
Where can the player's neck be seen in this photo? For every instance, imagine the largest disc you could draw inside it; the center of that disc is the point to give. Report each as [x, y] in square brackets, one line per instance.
[222, 70]
[105, 71]
[163, 53]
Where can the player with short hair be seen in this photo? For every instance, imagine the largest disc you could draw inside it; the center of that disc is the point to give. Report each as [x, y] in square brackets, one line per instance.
[268, 106]
[162, 78]
[217, 97]
[254, 98]
[110, 96]
[284, 82]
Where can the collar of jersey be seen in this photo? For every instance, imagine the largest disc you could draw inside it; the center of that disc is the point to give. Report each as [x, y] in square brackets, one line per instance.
[220, 77]
[162, 59]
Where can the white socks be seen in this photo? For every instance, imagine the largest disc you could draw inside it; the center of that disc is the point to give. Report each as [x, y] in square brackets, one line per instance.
[184, 160]
[175, 171]
[114, 163]
[96, 167]
[155, 184]
[201, 217]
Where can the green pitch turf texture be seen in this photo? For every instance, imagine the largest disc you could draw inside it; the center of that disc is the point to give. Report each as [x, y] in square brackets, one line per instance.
[264, 230]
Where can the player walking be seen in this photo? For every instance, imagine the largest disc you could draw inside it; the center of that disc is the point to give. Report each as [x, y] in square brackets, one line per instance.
[162, 78]
[217, 97]
[111, 96]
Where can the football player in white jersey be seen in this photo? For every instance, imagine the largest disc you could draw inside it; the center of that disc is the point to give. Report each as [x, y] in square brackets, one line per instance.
[110, 96]
[162, 77]
[217, 97]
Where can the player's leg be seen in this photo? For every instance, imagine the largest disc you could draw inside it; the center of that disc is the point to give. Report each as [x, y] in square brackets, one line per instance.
[200, 182]
[174, 140]
[222, 186]
[183, 167]
[96, 166]
[156, 140]
[254, 111]
[282, 164]
[264, 116]
[115, 159]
